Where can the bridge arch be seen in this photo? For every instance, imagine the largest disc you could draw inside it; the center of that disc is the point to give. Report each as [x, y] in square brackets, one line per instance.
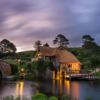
[5, 69]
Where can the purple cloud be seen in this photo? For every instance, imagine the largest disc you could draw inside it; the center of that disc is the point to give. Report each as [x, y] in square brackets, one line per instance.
[25, 21]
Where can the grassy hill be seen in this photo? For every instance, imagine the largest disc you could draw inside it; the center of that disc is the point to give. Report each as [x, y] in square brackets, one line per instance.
[26, 54]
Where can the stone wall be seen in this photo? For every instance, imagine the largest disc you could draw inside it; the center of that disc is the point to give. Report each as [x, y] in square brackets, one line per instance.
[5, 68]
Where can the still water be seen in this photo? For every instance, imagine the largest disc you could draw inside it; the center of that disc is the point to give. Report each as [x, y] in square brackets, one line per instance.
[76, 89]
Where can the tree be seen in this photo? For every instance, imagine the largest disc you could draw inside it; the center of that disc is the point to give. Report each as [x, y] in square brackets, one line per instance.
[46, 45]
[61, 41]
[8, 47]
[38, 44]
[87, 38]
[89, 43]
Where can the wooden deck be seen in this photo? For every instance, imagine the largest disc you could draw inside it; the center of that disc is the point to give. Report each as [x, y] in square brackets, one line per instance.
[82, 76]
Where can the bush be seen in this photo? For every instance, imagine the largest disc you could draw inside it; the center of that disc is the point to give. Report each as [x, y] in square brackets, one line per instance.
[8, 98]
[14, 68]
[65, 98]
[53, 98]
[89, 98]
[40, 96]
[30, 76]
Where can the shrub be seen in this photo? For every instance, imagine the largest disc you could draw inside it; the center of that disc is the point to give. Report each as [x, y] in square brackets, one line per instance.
[53, 98]
[30, 77]
[89, 98]
[40, 96]
[8, 98]
[65, 97]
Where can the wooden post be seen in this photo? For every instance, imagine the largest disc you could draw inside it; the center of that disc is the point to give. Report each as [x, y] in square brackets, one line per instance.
[60, 72]
[54, 74]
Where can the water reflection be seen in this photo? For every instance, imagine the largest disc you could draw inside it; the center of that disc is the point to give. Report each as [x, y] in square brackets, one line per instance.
[74, 89]
[65, 87]
[20, 89]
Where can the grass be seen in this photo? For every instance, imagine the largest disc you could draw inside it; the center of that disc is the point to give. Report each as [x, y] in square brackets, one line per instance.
[97, 74]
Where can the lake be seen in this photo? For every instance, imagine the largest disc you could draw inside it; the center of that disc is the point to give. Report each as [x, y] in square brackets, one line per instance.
[76, 89]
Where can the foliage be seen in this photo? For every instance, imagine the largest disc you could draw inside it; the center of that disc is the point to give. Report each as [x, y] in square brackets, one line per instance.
[30, 76]
[87, 38]
[65, 97]
[46, 45]
[40, 65]
[53, 98]
[8, 98]
[37, 44]
[97, 74]
[14, 69]
[61, 41]
[89, 44]
[95, 60]
[40, 96]
[26, 55]
[8, 47]
[89, 98]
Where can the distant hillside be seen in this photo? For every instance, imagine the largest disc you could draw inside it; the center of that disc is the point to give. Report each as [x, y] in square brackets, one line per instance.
[26, 54]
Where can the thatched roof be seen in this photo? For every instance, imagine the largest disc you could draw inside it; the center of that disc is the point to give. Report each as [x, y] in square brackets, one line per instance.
[5, 68]
[63, 56]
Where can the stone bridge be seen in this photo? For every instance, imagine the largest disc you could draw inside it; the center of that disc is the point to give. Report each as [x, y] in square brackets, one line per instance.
[5, 69]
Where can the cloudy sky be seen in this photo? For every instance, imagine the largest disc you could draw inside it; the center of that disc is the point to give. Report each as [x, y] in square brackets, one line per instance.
[25, 21]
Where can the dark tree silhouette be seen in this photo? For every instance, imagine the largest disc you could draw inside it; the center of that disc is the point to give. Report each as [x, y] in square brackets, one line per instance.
[89, 43]
[61, 41]
[87, 38]
[8, 47]
[46, 45]
[38, 44]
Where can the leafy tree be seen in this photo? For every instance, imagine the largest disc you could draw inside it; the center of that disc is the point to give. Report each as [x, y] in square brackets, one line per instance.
[46, 45]
[40, 96]
[8, 47]
[87, 38]
[89, 43]
[95, 61]
[61, 41]
[38, 44]
[53, 98]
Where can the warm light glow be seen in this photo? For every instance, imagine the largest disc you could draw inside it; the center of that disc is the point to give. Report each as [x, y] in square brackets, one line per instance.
[53, 74]
[20, 89]
[54, 87]
[67, 76]
[60, 87]
[17, 89]
[75, 67]
[67, 86]
[75, 89]
[22, 69]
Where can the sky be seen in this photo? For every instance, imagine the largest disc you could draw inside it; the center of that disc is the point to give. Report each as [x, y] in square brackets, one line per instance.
[25, 21]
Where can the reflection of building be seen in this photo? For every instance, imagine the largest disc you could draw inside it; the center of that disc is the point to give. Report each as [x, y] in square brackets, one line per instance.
[66, 87]
[75, 90]
[63, 60]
